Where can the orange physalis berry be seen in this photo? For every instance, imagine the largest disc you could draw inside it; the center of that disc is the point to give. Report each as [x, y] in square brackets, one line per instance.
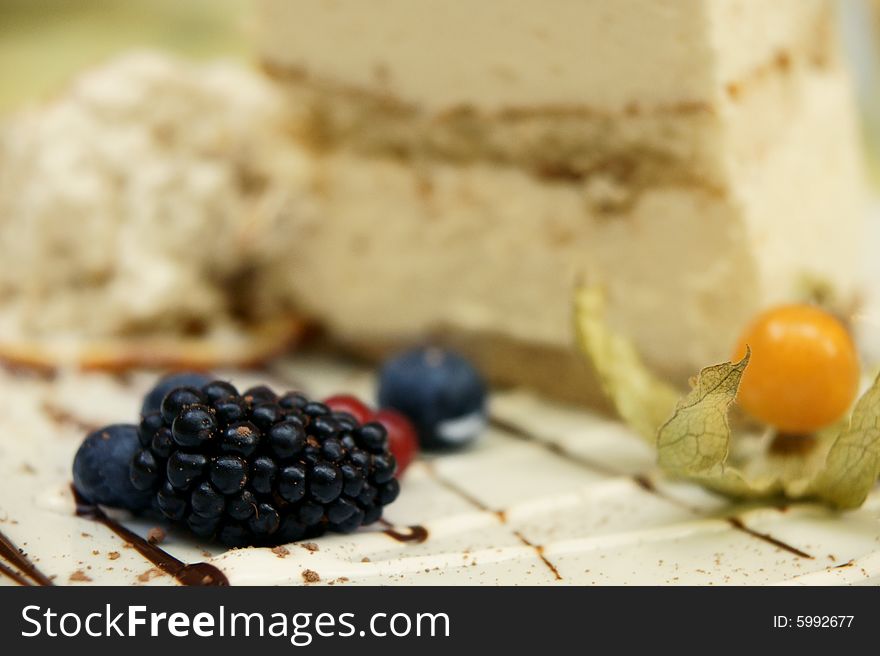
[804, 370]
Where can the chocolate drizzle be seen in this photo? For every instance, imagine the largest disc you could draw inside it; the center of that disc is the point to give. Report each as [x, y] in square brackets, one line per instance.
[26, 569]
[500, 514]
[199, 574]
[553, 447]
[737, 523]
[417, 534]
[643, 481]
[540, 551]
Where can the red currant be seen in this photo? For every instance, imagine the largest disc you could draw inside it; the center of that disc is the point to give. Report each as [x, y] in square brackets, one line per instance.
[350, 404]
[402, 438]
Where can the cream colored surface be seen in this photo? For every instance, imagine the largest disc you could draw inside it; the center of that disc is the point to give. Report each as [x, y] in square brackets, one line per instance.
[440, 54]
[595, 504]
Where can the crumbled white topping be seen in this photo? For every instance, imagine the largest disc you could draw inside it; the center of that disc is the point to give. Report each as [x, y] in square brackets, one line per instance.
[141, 196]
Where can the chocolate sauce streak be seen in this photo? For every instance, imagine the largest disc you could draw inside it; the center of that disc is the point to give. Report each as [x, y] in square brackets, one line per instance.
[15, 576]
[639, 479]
[501, 514]
[737, 523]
[540, 551]
[464, 494]
[196, 574]
[556, 449]
[648, 486]
[417, 534]
[14, 556]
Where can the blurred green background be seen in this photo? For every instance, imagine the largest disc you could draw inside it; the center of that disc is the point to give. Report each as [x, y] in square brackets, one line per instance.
[44, 42]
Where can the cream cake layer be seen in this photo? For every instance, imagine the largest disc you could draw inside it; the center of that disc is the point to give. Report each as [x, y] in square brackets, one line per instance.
[392, 250]
[438, 55]
[641, 89]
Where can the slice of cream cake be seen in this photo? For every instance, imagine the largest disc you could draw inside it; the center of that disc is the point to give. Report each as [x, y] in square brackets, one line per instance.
[474, 161]
[138, 207]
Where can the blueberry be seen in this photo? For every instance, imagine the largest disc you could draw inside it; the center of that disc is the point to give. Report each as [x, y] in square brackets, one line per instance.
[101, 468]
[153, 399]
[439, 391]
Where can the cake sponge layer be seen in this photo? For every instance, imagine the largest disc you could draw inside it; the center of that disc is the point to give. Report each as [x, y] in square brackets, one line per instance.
[481, 249]
[438, 55]
[639, 89]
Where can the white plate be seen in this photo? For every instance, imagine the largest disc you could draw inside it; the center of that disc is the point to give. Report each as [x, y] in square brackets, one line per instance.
[560, 496]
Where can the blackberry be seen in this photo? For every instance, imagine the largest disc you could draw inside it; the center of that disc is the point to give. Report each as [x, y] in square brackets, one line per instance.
[255, 468]
[153, 399]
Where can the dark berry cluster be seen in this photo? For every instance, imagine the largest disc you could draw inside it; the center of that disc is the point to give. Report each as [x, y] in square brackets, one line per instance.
[258, 468]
